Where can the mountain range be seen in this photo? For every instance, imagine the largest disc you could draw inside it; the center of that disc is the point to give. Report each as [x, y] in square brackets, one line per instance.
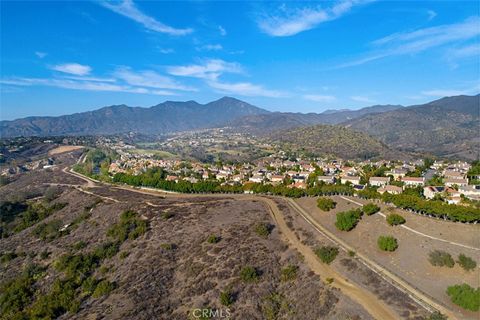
[446, 127]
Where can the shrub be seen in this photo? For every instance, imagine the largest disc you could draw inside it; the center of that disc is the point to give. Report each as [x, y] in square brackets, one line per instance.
[329, 280]
[466, 263]
[167, 215]
[275, 306]
[465, 296]
[226, 298]
[437, 316]
[351, 253]
[44, 254]
[104, 287]
[129, 227]
[52, 193]
[263, 229]
[440, 258]
[167, 246]
[387, 243]
[394, 219]
[8, 256]
[213, 239]
[325, 204]
[249, 274]
[327, 253]
[49, 231]
[347, 220]
[79, 245]
[289, 273]
[124, 254]
[370, 209]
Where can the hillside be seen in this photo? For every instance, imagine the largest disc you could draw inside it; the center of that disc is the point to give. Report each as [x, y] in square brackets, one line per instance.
[268, 122]
[330, 140]
[169, 116]
[445, 127]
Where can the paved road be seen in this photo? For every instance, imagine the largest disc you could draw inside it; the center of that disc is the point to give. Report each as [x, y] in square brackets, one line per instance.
[416, 231]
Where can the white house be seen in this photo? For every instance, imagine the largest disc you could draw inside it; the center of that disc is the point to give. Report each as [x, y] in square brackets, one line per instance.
[413, 181]
[351, 179]
[326, 179]
[454, 181]
[378, 181]
[390, 189]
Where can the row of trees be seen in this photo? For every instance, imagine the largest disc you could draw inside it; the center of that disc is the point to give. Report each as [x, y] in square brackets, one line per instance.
[434, 208]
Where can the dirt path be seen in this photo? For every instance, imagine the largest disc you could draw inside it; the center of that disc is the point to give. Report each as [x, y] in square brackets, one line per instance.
[401, 284]
[417, 232]
[367, 300]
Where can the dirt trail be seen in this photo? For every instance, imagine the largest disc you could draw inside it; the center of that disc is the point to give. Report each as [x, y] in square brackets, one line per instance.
[372, 304]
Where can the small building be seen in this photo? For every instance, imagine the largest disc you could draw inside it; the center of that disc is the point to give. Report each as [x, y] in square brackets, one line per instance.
[378, 181]
[256, 178]
[413, 181]
[326, 179]
[390, 189]
[351, 179]
[456, 182]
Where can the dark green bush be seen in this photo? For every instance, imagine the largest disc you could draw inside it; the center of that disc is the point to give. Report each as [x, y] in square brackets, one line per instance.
[129, 227]
[440, 258]
[347, 220]
[466, 263]
[387, 243]
[226, 297]
[465, 296]
[394, 219]
[263, 229]
[213, 238]
[249, 274]
[326, 204]
[326, 253]
[370, 209]
[289, 273]
[104, 287]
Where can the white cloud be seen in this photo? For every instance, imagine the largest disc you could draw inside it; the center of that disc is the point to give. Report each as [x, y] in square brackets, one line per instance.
[40, 54]
[222, 31]
[82, 85]
[474, 89]
[472, 50]
[210, 69]
[149, 79]
[319, 98]
[431, 14]
[166, 50]
[245, 89]
[299, 20]
[362, 99]
[72, 68]
[210, 47]
[128, 9]
[420, 40]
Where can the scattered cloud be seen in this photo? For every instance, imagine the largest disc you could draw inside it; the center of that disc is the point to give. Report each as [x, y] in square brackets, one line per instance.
[211, 69]
[319, 98]
[474, 89]
[210, 47]
[222, 31]
[362, 99]
[472, 50]
[245, 89]
[288, 23]
[149, 79]
[82, 85]
[40, 54]
[128, 9]
[431, 14]
[166, 50]
[72, 68]
[420, 40]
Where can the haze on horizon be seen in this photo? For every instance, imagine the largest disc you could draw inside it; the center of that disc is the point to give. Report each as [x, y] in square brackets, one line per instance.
[301, 57]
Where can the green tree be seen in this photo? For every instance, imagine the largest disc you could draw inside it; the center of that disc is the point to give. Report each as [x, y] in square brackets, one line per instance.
[370, 209]
[466, 263]
[326, 253]
[440, 258]
[249, 274]
[347, 220]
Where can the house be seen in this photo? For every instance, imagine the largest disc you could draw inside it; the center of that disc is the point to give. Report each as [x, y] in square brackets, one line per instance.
[390, 189]
[378, 181]
[431, 191]
[413, 181]
[397, 173]
[276, 178]
[256, 178]
[472, 192]
[171, 178]
[351, 179]
[299, 185]
[450, 182]
[326, 179]
[453, 174]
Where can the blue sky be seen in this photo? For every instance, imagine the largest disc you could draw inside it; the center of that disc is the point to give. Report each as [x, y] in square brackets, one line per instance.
[63, 57]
